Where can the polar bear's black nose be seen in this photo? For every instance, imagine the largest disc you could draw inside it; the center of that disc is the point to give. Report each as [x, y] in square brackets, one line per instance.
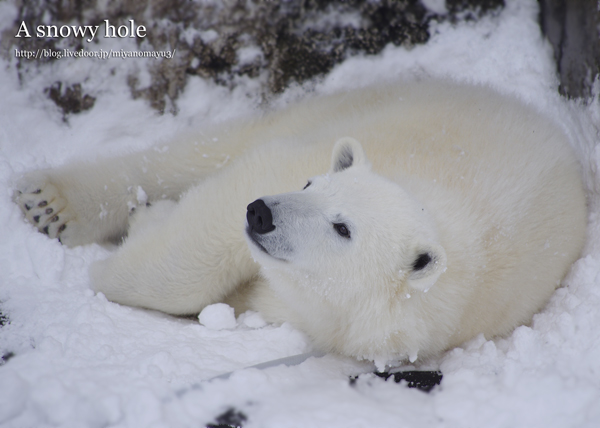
[260, 218]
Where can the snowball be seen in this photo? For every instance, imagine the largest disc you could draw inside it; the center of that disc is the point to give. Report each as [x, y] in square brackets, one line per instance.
[218, 317]
[252, 319]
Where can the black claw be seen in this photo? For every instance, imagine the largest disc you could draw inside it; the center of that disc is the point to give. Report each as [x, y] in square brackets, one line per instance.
[49, 210]
[45, 230]
[43, 204]
[27, 207]
[54, 219]
[62, 228]
[37, 192]
[36, 218]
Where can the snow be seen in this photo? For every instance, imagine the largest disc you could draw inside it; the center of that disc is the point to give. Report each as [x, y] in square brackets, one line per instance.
[81, 361]
[218, 316]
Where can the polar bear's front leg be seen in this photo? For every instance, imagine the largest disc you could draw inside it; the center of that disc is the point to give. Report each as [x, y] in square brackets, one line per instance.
[90, 202]
[180, 257]
[77, 204]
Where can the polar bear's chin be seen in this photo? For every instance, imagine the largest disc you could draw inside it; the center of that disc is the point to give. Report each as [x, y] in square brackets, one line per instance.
[258, 251]
[253, 242]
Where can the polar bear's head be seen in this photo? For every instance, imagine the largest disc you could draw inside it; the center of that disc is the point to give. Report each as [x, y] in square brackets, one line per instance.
[347, 249]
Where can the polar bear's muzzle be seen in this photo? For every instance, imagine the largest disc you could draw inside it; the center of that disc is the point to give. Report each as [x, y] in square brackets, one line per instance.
[259, 222]
[262, 232]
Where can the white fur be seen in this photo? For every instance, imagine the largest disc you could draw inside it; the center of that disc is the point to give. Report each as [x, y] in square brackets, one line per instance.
[483, 185]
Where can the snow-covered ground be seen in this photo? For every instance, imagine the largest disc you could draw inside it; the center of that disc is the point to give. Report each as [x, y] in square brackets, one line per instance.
[81, 361]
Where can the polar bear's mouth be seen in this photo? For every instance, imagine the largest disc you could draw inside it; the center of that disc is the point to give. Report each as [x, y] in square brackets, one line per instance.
[255, 241]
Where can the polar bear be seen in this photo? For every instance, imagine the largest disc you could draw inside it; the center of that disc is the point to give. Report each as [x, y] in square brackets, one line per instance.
[385, 222]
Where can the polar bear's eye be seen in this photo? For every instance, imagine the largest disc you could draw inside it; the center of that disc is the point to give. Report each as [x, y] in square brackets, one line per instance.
[342, 229]
[307, 184]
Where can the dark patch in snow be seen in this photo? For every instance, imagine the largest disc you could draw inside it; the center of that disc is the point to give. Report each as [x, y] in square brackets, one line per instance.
[69, 99]
[3, 320]
[423, 380]
[5, 357]
[232, 418]
[420, 379]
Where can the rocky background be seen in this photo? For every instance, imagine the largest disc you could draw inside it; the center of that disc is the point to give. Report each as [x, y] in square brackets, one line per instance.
[281, 42]
[278, 42]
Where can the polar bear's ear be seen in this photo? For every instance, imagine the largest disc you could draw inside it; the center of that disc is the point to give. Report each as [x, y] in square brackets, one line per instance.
[429, 263]
[347, 152]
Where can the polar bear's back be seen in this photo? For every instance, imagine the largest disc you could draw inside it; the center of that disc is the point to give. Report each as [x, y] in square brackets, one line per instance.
[408, 127]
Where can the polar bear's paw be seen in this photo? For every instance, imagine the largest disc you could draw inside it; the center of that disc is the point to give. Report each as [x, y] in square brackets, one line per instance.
[44, 207]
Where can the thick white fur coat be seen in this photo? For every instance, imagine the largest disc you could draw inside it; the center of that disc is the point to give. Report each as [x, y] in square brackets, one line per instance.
[481, 187]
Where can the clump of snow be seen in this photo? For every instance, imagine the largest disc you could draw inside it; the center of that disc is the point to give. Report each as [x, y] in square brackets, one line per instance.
[141, 196]
[331, 18]
[218, 316]
[80, 360]
[252, 319]
[436, 6]
[248, 55]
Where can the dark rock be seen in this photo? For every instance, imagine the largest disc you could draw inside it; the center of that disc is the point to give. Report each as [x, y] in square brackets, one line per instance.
[480, 7]
[572, 26]
[420, 379]
[70, 99]
[423, 380]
